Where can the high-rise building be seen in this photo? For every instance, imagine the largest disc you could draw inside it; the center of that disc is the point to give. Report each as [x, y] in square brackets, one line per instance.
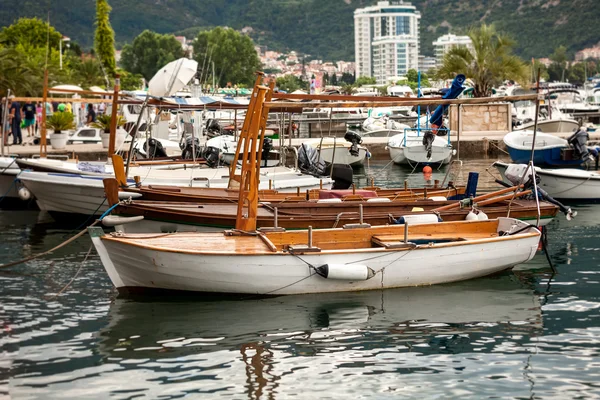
[443, 44]
[386, 40]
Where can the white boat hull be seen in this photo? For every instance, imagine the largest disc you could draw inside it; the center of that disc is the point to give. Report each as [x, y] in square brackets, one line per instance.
[343, 156]
[553, 126]
[75, 194]
[564, 184]
[408, 149]
[282, 273]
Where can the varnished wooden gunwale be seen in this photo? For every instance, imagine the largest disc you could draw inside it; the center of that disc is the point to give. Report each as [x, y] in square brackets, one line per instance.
[330, 241]
[317, 215]
[212, 195]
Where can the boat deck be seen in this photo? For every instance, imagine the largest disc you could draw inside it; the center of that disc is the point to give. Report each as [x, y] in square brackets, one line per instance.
[369, 239]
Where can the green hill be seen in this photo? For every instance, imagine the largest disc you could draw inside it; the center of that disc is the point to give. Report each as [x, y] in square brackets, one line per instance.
[321, 28]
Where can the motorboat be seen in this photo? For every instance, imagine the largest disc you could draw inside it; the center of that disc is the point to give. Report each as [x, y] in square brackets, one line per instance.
[382, 126]
[9, 186]
[410, 148]
[561, 184]
[339, 151]
[549, 149]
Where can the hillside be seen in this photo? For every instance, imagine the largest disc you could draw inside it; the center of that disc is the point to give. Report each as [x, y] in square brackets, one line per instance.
[324, 29]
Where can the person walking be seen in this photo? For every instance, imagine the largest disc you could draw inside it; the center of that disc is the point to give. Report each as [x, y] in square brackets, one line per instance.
[15, 122]
[38, 117]
[29, 111]
[91, 116]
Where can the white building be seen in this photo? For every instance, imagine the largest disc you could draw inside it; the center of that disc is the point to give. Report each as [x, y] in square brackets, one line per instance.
[443, 44]
[386, 40]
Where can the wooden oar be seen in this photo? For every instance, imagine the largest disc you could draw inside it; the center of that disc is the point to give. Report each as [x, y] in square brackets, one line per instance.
[478, 199]
[502, 198]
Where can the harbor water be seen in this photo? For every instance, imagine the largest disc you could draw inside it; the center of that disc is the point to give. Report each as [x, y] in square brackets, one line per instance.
[532, 332]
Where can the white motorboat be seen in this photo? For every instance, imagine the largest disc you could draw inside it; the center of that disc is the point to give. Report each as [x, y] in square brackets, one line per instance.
[84, 194]
[382, 126]
[564, 183]
[335, 260]
[409, 148]
[339, 151]
[227, 146]
[558, 125]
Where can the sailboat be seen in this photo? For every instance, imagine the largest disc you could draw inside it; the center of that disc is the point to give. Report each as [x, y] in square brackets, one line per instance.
[361, 257]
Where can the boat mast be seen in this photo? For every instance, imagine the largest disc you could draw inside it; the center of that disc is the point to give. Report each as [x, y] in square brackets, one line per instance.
[43, 142]
[248, 179]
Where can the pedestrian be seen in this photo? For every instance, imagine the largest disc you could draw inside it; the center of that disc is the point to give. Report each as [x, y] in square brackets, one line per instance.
[91, 116]
[101, 108]
[69, 107]
[29, 111]
[38, 117]
[61, 107]
[15, 122]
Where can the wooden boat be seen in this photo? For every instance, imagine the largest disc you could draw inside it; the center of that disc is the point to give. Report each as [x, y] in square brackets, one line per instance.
[245, 260]
[160, 216]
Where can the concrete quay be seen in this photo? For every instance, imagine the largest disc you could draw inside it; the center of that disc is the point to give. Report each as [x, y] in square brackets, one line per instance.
[472, 144]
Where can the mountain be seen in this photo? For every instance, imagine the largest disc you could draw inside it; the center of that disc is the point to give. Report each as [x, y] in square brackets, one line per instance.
[324, 29]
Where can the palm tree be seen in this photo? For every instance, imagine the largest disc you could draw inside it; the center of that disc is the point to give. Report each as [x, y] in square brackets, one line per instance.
[14, 74]
[487, 64]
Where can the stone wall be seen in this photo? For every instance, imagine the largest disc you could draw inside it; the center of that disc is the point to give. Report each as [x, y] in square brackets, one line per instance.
[481, 118]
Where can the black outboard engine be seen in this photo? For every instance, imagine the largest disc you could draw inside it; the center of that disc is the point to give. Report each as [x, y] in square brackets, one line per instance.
[579, 143]
[213, 128]
[154, 148]
[211, 155]
[266, 149]
[355, 139]
[309, 161]
[428, 139]
[514, 173]
[188, 148]
[342, 176]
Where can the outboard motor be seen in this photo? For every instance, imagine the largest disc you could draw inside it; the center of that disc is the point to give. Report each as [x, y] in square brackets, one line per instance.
[514, 173]
[188, 148]
[266, 149]
[342, 176]
[579, 143]
[213, 128]
[355, 139]
[309, 161]
[211, 155]
[428, 139]
[154, 148]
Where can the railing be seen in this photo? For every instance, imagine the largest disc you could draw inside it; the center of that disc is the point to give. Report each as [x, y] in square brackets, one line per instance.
[419, 130]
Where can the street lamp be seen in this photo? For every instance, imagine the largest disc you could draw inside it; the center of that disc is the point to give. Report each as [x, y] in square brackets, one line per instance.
[62, 39]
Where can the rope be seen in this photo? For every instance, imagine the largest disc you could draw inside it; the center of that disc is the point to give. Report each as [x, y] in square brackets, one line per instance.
[502, 150]
[63, 244]
[74, 276]
[81, 233]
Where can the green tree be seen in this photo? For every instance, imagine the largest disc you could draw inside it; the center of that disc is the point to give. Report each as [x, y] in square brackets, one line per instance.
[290, 83]
[543, 71]
[365, 80]
[348, 78]
[104, 39]
[334, 80]
[233, 54]
[30, 32]
[412, 76]
[489, 63]
[559, 57]
[150, 51]
[87, 72]
[577, 74]
[130, 81]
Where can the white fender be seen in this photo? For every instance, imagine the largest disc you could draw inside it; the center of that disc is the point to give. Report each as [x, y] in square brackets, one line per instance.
[482, 216]
[471, 216]
[346, 272]
[24, 193]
